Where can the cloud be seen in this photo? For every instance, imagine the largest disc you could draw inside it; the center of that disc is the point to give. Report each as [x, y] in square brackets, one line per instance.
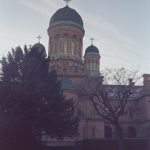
[45, 7]
[117, 47]
[93, 23]
[101, 27]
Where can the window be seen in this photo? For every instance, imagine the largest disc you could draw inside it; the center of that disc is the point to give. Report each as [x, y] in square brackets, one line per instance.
[131, 132]
[121, 130]
[65, 47]
[108, 132]
[84, 132]
[92, 65]
[93, 132]
[72, 48]
[130, 113]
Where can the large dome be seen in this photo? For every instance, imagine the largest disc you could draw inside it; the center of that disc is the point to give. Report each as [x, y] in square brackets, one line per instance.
[92, 49]
[66, 15]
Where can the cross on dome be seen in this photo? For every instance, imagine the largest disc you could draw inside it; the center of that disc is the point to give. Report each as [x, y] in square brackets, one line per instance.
[92, 40]
[39, 38]
[67, 2]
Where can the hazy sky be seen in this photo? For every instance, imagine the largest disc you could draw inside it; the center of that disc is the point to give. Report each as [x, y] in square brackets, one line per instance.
[121, 28]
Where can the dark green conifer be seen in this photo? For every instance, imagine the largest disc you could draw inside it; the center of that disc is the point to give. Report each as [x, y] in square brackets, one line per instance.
[32, 102]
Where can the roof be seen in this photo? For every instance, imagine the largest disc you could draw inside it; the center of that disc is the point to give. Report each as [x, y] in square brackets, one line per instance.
[38, 47]
[66, 15]
[91, 49]
[67, 83]
[137, 91]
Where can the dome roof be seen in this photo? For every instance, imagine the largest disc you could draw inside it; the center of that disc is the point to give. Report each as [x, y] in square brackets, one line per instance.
[66, 15]
[38, 47]
[92, 49]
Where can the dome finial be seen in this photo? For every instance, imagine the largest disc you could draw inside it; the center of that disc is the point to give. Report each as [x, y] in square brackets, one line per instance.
[67, 2]
[92, 39]
[39, 38]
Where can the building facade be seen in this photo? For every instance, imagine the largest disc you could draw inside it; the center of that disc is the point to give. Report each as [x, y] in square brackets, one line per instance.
[66, 32]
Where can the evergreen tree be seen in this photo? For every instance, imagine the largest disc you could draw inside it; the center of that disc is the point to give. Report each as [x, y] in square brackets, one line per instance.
[32, 102]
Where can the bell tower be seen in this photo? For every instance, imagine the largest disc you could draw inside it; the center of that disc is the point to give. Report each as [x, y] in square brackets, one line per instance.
[66, 34]
[92, 60]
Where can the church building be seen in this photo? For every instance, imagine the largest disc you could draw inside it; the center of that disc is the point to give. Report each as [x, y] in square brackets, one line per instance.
[65, 50]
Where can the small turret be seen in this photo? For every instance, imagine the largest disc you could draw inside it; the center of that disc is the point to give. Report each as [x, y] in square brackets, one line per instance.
[92, 60]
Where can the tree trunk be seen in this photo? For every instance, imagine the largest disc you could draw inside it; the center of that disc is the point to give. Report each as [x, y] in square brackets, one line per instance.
[119, 136]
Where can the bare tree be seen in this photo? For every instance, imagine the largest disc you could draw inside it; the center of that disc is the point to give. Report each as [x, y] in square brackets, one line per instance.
[109, 95]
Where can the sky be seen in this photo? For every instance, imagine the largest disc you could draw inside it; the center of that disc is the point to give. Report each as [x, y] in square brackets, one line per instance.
[121, 28]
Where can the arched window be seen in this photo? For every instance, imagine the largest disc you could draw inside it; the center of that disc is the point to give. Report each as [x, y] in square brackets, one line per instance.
[65, 47]
[131, 132]
[92, 65]
[57, 49]
[77, 48]
[65, 43]
[108, 132]
[72, 48]
[122, 132]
